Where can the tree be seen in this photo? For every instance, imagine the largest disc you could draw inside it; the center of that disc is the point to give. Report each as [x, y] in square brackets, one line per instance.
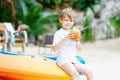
[30, 12]
[13, 11]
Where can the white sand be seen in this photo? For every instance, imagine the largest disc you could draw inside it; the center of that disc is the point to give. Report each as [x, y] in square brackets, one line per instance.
[102, 57]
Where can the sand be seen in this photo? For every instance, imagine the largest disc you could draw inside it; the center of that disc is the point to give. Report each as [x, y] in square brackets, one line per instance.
[103, 58]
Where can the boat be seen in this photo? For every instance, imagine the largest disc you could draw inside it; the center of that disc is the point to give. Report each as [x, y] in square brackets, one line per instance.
[14, 66]
[24, 67]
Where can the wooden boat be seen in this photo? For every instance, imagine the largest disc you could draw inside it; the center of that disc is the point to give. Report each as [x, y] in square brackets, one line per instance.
[19, 67]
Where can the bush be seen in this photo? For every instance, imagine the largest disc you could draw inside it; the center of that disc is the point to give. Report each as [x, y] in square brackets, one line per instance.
[88, 33]
[116, 23]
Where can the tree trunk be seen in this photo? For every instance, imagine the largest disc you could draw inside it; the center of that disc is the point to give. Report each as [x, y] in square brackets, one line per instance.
[12, 7]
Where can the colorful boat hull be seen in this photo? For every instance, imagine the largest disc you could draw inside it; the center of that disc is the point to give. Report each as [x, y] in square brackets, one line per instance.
[13, 67]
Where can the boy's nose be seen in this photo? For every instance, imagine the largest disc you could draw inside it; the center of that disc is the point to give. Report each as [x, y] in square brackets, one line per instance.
[68, 21]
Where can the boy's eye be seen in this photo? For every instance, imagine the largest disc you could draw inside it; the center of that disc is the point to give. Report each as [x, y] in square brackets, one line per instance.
[66, 20]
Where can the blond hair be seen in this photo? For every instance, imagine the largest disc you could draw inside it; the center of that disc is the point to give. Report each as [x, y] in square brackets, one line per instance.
[69, 13]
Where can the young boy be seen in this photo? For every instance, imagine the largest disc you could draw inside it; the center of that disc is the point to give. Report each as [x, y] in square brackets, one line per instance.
[67, 48]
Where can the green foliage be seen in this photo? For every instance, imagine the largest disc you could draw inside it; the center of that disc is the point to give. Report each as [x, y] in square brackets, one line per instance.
[52, 1]
[33, 13]
[88, 33]
[116, 23]
[57, 1]
[86, 4]
[5, 11]
[51, 4]
[30, 12]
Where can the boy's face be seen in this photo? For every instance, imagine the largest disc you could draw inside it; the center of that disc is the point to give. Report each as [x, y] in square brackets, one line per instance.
[66, 23]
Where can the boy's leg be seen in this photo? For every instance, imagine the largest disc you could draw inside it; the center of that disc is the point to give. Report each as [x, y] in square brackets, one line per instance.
[82, 68]
[71, 70]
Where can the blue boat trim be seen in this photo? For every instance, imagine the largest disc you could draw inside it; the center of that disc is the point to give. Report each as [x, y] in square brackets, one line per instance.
[80, 59]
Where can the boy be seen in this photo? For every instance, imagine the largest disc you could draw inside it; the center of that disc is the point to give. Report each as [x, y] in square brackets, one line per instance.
[67, 48]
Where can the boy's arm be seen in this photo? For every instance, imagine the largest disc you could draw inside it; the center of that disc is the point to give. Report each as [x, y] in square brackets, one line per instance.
[78, 46]
[59, 44]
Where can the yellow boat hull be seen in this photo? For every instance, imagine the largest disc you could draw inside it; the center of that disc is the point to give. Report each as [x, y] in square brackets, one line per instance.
[30, 68]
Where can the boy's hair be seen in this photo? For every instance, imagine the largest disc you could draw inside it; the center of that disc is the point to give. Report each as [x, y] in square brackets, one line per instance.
[69, 13]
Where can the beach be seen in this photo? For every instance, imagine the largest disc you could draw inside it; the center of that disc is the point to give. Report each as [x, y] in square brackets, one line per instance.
[102, 57]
